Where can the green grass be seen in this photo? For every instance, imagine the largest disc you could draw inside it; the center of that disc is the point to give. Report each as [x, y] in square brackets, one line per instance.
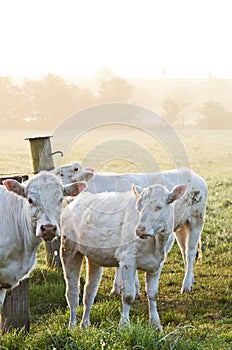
[202, 320]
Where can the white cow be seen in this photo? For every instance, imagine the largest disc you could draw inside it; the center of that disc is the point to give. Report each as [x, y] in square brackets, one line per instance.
[187, 232]
[73, 172]
[29, 213]
[102, 228]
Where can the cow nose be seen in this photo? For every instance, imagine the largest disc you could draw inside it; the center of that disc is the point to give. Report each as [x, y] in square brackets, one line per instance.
[91, 170]
[48, 227]
[141, 231]
[48, 231]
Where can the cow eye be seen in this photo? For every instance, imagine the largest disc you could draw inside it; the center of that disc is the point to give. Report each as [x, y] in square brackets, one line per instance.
[30, 201]
[158, 207]
[61, 174]
[76, 170]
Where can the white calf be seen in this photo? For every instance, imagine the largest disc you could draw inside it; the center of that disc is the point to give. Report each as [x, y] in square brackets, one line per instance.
[102, 228]
[188, 228]
[28, 215]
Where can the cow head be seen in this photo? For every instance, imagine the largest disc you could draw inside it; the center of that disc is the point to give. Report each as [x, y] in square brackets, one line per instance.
[44, 193]
[156, 210]
[74, 172]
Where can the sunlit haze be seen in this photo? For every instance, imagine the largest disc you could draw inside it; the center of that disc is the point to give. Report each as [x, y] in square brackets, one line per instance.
[132, 38]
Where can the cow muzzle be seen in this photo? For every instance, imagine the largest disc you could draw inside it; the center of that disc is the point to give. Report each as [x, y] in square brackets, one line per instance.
[90, 170]
[48, 232]
[142, 232]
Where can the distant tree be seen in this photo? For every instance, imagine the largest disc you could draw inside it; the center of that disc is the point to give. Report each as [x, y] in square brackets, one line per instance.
[53, 99]
[112, 88]
[173, 110]
[12, 103]
[212, 115]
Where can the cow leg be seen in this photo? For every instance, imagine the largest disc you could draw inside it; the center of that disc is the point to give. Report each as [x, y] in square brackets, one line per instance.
[188, 238]
[193, 243]
[152, 282]
[2, 297]
[128, 292]
[137, 286]
[93, 278]
[117, 286]
[182, 235]
[72, 267]
[116, 290]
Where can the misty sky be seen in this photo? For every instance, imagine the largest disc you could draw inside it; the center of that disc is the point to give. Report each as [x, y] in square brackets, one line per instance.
[133, 38]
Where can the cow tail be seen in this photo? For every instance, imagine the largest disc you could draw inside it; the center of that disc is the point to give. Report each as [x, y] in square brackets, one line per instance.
[199, 252]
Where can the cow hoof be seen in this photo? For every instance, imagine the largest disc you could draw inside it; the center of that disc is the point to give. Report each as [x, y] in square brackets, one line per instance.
[72, 325]
[124, 322]
[186, 290]
[85, 324]
[157, 326]
[115, 292]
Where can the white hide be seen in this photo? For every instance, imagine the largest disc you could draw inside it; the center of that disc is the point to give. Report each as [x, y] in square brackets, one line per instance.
[102, 227]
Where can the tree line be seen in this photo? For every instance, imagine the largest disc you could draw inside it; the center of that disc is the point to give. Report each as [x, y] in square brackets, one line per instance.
[51, 99]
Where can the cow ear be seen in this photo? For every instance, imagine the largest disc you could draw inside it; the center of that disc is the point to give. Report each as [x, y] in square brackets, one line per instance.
[136, 191]
[87, 174]
[14, 186]
[176, 193]
[74, 189]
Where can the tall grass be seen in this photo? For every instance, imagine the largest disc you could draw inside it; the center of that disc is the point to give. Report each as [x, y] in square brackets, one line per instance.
[201, 320]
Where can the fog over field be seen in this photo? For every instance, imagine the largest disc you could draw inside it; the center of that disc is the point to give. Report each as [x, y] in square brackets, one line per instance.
[46, 102]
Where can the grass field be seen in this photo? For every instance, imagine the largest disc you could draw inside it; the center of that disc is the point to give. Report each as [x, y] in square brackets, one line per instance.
[202, 320]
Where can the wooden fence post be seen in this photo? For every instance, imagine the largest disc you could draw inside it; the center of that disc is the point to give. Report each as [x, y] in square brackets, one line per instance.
[42, 159]
[16, 309]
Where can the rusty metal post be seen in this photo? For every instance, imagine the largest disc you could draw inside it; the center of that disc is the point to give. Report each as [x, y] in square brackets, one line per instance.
[41, 153]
